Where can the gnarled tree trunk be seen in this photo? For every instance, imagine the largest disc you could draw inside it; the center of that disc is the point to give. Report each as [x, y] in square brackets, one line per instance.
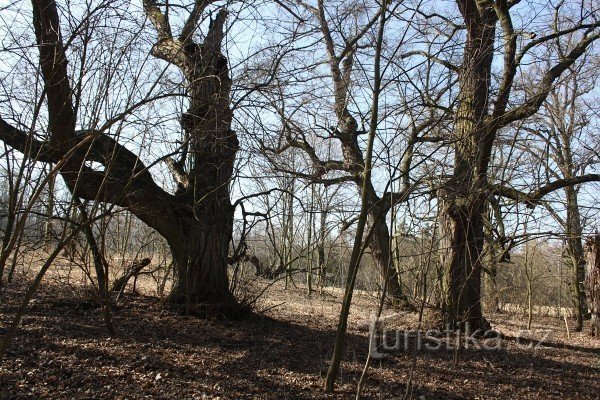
[461, 242]
[197, 220]
[201, 231]
[200, 254]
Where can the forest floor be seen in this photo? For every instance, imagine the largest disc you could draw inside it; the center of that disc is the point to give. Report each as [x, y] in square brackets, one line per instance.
[63, 351]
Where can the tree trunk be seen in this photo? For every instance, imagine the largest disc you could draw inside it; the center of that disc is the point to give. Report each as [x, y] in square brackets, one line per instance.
[529, 277]
[593, 282]
[576, 255]
[321, 249]
[462, 201]
[200, 255]
[288, 234]
[309, 243]
[100, 265]
[461, 231]
[491, 271]
[380, 248]
[11, 220]
[494, 251]
[201, 231]
[48, 226]
[354, 163]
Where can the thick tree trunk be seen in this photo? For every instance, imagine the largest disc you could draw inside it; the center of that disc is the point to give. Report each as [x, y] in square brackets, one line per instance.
[380, 248]
[200, 248]
[197, 220]
[461, 232]
[462, 202]
[199, 236]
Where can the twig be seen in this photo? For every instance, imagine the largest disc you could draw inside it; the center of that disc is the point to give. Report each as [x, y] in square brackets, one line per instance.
[567, 325]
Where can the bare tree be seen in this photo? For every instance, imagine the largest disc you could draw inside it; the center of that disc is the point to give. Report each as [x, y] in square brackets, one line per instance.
[564, 125]
[357, 249]
[343, 38]
[197, 219]
[483, 108]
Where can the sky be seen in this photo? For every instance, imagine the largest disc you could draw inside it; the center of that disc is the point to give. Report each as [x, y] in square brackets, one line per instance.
[119, 70]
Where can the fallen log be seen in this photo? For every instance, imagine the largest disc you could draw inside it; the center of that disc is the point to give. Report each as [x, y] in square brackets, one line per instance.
[132, 271]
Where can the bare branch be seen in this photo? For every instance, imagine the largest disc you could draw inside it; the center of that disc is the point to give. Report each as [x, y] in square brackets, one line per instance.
[192, 22]
[532, 105]
[158, 19]
[431, 57]
[510, 49]
[533, 198]
[53, 63]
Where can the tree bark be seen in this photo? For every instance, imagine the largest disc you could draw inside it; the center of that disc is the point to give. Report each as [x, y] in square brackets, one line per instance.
[593, 282]
[201, 256]
[576, 255]
[461, 241]
[380, 248]
[462, 201]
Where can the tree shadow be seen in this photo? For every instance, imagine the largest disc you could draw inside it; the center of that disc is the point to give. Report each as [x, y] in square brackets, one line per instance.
[162, 354]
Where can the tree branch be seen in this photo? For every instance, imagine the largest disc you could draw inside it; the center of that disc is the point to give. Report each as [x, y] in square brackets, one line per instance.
[431, 57]
[510, 48]
[53, 64]
[125, 181]
[532, 105]
[533, 198]
[192, 22]
[158, 19]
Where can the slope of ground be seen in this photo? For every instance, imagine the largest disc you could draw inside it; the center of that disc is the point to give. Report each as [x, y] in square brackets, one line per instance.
[63, 351]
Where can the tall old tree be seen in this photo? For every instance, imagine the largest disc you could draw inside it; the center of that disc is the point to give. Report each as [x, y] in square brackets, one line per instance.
[342, 28]
[197, 219]
[483, 108]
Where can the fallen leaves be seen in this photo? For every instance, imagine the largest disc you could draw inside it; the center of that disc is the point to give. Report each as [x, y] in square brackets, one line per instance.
[63, 351]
